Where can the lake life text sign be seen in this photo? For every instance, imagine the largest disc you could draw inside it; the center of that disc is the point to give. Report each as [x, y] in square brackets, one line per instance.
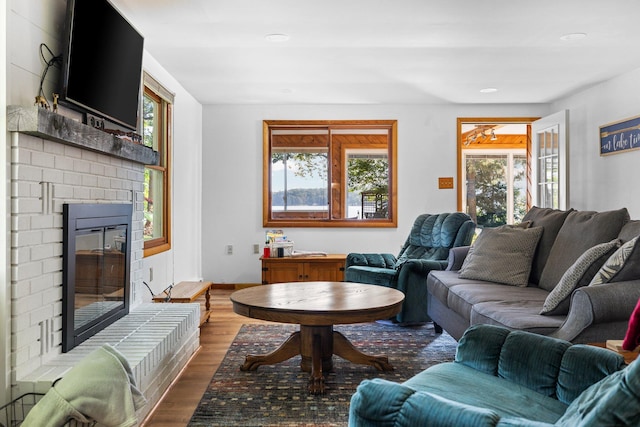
[620, 136]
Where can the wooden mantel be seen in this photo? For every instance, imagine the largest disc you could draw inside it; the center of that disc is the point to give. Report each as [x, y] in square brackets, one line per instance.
[40, 122]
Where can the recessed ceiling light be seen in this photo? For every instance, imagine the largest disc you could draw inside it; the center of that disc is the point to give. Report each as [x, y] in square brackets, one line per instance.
[286, 90]
[277, 37]
[573, 36]
[488, 90]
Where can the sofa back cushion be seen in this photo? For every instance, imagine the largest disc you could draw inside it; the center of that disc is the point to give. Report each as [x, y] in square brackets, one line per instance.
[580, 231]
[537, 370]
[547, 365]
[582, 366]
[480, 346]
[611, 402]
[550, 220]
[630, 230]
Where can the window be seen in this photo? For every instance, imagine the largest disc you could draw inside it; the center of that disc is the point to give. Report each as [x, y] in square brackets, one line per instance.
[329, 173]
[493, 169]
[496, 186]
[156, 133]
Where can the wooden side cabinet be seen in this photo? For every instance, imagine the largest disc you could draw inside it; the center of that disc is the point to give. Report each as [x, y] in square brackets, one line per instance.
[328, 268]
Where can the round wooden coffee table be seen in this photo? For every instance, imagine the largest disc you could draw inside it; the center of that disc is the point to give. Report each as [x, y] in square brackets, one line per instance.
[316, 307]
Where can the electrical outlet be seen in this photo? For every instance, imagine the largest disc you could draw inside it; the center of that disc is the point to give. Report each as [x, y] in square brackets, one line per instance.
[445, 182]
[256, 248]
[229, 249]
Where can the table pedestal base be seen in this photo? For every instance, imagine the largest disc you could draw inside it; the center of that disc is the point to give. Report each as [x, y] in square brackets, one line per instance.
[316, 345]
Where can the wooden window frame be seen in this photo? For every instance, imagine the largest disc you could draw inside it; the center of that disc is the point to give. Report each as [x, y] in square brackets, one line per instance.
[336, 159]
[491, 120]
[154, 90]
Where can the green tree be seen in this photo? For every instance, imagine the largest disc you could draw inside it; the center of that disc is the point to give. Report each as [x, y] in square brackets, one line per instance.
[368, 175]
[487, 191]
[364, 174]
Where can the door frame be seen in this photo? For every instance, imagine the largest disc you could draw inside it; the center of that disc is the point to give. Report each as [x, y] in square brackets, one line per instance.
[560, 121]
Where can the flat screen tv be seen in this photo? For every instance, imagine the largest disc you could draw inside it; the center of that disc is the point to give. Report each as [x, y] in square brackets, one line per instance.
[102, 62]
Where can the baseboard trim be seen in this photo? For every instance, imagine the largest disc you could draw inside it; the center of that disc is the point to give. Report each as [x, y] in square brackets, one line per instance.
[233, 286]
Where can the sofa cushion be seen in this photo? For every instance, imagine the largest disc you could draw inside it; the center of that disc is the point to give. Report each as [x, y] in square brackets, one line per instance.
[579, 232]
[372, 275]
[519, 315]
[578, 275]
[463, 297]
[440, 281]
[551, 220]
[371, 260]
[463, 384]
[611, 402]
[502, 255]
[623, 265]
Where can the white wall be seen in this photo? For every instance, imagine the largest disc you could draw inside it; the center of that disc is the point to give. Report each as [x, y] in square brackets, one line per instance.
[607, 182]
[232, 177]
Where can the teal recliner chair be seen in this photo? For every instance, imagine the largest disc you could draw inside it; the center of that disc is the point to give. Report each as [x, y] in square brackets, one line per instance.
[426, 249]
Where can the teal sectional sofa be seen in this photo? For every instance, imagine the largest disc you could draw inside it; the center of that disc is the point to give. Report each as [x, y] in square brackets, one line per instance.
[508, 378]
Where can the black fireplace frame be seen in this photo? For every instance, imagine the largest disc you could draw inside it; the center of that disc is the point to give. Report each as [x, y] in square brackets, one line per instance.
[81, 217]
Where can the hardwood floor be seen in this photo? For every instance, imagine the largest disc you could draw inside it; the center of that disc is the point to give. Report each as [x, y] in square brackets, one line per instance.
[177, 406]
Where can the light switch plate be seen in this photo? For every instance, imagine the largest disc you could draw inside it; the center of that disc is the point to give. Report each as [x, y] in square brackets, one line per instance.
[445, 182]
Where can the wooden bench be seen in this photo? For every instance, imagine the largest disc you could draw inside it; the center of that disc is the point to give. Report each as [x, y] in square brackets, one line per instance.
[186, 292]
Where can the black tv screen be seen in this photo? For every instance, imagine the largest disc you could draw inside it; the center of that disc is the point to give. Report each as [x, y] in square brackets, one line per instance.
[102, 62]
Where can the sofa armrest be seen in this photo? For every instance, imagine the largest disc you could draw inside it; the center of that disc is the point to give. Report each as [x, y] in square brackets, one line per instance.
[370, 260]
[456, 257]
[599, 304]
[380, 402]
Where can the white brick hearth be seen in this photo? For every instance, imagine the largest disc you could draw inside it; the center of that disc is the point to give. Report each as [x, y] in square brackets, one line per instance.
[156, 339]
[54, 161]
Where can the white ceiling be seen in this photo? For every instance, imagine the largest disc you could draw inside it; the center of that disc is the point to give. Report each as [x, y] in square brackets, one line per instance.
[387, 51]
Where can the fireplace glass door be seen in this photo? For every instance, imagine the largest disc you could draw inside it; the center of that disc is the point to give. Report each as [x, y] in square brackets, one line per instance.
[96, 269]
[100, 273]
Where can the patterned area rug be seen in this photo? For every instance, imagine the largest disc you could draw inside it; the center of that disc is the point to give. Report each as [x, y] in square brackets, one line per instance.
[277, 395]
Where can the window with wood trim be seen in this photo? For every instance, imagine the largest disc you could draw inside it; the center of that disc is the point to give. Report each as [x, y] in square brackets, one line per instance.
[156, 133]
[337, 173]
[493, 169]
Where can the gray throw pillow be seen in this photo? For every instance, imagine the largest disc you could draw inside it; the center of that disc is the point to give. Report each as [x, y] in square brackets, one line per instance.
[624, 264]
[502, 255]
[578, 275]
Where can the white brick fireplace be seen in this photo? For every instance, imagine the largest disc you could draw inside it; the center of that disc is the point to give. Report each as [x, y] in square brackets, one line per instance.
[55, 160]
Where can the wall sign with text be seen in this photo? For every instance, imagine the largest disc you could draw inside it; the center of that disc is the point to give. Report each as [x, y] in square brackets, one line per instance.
[620, 136]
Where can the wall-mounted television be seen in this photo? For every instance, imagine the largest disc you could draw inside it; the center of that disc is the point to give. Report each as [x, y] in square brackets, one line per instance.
[102, 63]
